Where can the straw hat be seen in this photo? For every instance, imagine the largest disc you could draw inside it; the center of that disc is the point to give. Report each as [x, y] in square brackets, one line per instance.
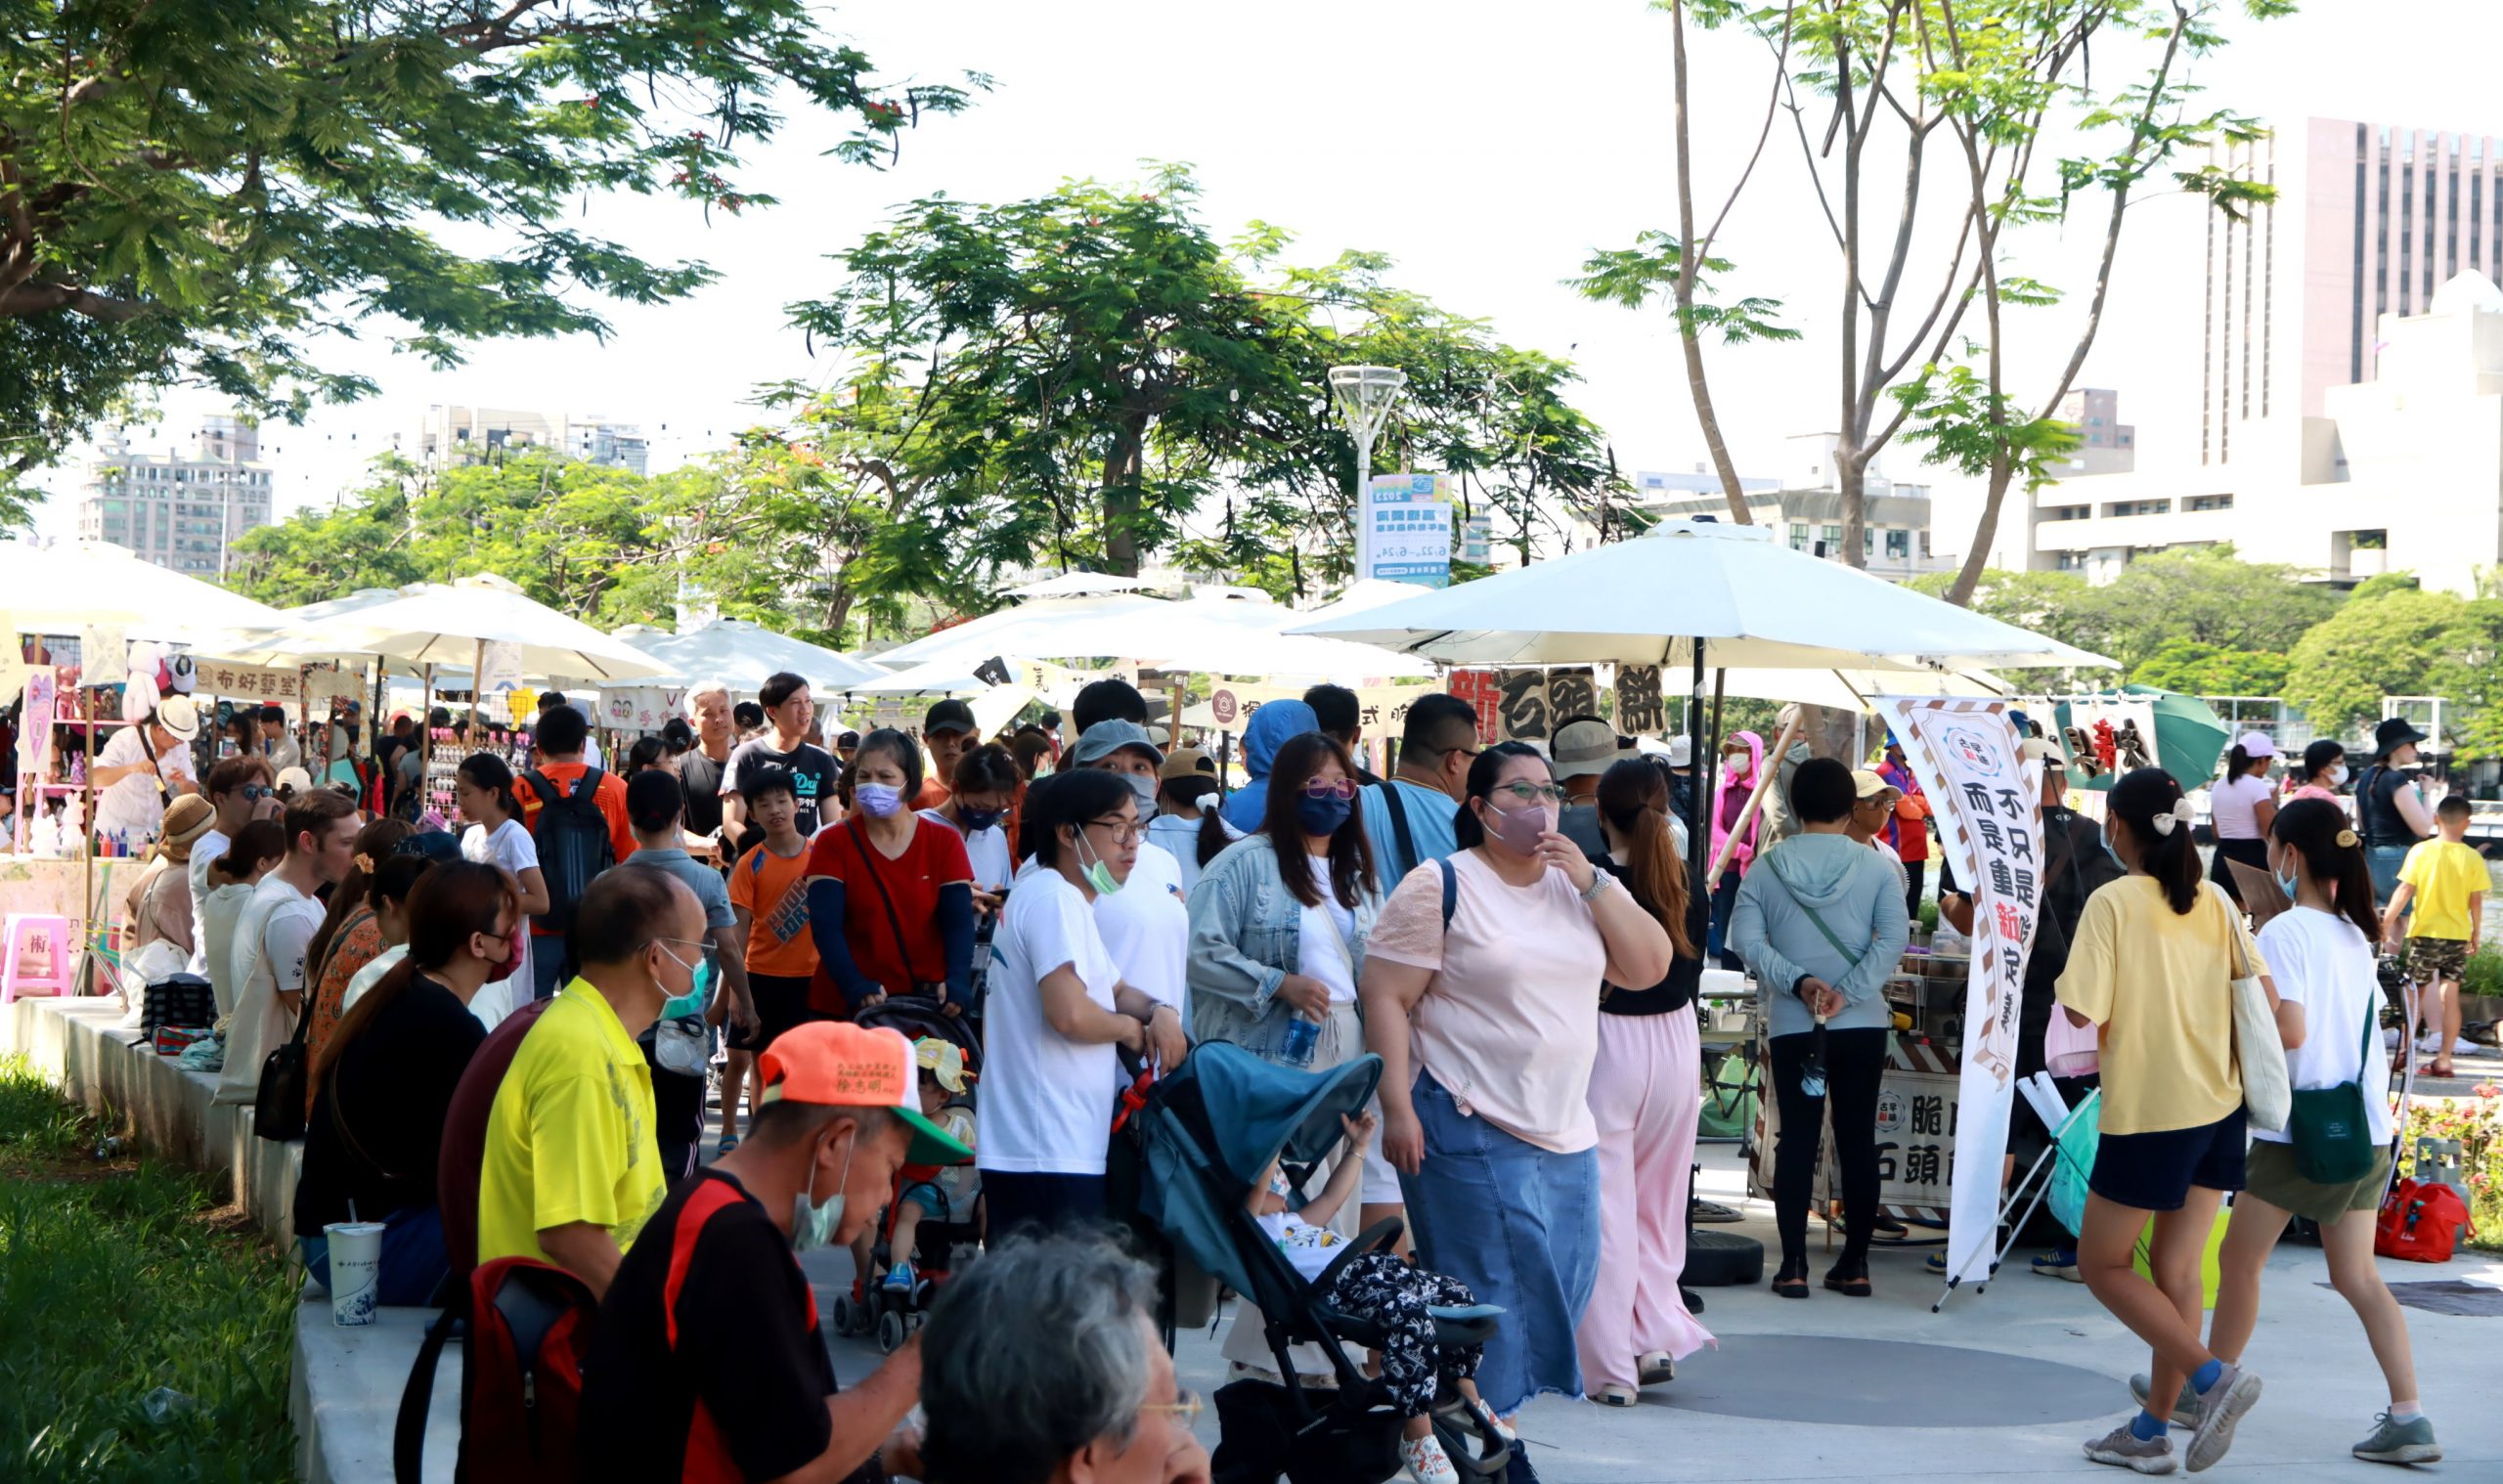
[187, 818]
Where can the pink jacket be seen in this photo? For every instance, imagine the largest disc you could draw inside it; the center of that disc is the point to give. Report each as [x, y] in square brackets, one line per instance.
[1731, 786]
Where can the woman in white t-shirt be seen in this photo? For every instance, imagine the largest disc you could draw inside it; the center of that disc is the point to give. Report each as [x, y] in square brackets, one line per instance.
[2240, 805]
[1057, 1009]
[2320, 954]
[234, 873]
[483, 787]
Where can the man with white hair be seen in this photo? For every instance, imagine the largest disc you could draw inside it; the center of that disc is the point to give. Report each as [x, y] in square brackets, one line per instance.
[708, 711]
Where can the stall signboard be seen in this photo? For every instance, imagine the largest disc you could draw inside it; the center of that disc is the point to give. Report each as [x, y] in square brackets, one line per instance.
[641, 707]
[106, 651]
[1483, 690]
[1521, 707]
[1381, 710]
[521, 705]
[498, 667]
[1918, 1111]
[1641, 708]
[264, 683]
[1989, 809]
[34, 723]
[2111, 735]
[328, 683]
[1408, 517]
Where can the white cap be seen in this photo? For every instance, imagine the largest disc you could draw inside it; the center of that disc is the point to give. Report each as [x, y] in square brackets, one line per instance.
[1681, 751]
[2255, 744]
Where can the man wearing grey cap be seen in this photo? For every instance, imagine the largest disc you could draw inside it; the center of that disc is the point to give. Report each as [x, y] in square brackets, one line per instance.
[1582, 749]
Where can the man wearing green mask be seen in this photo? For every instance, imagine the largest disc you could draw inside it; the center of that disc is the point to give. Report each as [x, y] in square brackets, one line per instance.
[656, 809]
[707, 1361]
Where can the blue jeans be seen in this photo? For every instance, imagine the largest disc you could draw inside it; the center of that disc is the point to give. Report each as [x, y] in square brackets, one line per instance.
[1725, 902]
[546, 962]
[415, 1260]
[2383, 861]
[1517, 1225]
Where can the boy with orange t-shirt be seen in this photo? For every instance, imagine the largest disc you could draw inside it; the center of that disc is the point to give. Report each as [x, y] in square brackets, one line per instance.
[770, 895]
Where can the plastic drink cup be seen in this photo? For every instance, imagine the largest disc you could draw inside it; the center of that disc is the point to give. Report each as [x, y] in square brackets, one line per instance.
[356, 1270]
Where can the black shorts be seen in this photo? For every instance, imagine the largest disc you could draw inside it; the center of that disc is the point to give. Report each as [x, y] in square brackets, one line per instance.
[781, 1002]
[2154, 1172]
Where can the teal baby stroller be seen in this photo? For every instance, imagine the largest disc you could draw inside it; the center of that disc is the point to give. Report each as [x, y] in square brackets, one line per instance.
[1212, 1127]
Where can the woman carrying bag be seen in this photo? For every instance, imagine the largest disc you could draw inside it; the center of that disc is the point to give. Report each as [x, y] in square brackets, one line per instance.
[2154, 964]
[2332, 1162]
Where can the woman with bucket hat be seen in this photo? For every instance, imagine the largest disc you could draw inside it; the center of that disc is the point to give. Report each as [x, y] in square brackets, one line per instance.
[2392, 812]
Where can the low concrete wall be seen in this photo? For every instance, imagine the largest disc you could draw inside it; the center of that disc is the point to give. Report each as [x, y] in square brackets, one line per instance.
[345, 1394]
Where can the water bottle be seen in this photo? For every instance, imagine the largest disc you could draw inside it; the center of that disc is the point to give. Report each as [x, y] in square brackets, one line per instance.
[1303, 1035]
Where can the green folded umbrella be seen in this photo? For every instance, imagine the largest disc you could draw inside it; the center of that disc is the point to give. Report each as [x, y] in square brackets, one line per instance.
[2189, 738]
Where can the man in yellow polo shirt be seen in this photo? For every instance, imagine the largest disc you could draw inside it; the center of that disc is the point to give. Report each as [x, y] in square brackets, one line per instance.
[570, 1172]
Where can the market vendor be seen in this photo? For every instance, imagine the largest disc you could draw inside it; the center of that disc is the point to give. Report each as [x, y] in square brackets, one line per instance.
[143, 766]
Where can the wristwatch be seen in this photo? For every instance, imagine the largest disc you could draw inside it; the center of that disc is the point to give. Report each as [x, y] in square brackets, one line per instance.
[1600, 881]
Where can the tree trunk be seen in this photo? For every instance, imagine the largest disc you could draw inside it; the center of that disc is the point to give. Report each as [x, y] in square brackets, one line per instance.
[1978, 558]
[1122, 470]
[1851, 478]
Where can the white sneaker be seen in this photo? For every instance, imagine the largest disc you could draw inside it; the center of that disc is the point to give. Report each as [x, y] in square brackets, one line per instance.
[1426, 1461]
[2430, 1043]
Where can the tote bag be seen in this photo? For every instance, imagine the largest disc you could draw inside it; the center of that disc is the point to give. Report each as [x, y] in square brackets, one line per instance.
[2267, 1092]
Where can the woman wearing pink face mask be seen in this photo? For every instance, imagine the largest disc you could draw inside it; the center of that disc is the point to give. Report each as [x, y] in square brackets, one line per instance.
[1489, 965]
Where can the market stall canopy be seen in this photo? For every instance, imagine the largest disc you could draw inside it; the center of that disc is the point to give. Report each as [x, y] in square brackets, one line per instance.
[444, 623]
[743, 655]
[1078, 585]
[1213, 635]
[63, 586]
[1753, 603]
[934, 680]
[1851, 690]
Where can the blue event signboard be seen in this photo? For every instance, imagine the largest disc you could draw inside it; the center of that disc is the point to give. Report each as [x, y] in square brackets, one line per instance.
[1408, 517]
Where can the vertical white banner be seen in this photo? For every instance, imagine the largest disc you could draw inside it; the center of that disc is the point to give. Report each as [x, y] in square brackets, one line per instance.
[1989, 806]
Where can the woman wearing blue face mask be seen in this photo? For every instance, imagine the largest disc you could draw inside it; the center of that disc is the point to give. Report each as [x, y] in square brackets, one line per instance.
[890, 892]
[1057, 1007]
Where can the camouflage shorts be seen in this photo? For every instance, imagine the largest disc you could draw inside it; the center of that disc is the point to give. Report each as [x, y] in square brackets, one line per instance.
[2436, 958]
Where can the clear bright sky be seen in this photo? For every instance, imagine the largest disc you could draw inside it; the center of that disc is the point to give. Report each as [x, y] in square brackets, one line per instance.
[1486, 148]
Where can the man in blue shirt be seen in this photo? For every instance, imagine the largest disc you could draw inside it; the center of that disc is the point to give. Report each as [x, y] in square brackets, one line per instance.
[1408, 817]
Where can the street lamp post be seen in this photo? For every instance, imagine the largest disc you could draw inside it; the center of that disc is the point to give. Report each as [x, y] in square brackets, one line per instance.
[1366, 395]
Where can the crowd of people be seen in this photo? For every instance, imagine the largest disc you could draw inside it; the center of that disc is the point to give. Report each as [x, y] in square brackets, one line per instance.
[509, 1030]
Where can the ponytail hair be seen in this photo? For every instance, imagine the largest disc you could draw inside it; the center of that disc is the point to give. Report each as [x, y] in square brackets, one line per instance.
[2149, 799]
[2333, 856]
[2238, 762]
[1634, 799]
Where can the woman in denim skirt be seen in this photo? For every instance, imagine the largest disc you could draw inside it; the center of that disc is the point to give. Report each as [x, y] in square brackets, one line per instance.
[1489, 1123]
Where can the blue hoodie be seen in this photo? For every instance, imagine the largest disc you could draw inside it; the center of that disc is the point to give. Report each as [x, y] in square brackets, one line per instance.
[1848, 884]
[1272, 726]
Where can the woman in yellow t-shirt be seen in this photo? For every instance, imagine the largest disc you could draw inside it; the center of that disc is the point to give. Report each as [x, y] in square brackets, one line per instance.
[2153, 964]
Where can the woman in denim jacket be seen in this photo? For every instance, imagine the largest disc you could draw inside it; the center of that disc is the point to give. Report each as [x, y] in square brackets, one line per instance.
[1269, 949]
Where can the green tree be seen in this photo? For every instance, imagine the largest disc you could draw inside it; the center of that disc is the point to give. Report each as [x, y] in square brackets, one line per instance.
[1091, 378]
[195, 189]
[2400, 643]
[1920, 123]
[2209, 670]
[2211, 596]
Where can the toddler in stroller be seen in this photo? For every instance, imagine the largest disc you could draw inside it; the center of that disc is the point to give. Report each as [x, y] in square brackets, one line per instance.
[1379, 1289]
[928, 1191]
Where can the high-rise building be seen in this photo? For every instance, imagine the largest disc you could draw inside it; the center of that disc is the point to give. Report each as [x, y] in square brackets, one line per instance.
[451, 435]
[178, 511]
[2105, 445]
[2369, 220]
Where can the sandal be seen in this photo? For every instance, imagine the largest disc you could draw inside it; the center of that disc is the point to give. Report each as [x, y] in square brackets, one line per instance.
[1790, 1282]
[1852, 1286]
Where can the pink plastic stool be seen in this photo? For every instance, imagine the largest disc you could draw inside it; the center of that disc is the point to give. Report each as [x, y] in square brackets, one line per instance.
[38, 955]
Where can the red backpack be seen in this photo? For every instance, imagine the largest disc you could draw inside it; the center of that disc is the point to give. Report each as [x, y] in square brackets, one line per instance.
[2420, 1221]
[521, 1375]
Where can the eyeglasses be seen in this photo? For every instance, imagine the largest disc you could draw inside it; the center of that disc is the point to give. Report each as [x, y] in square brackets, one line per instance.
[1533, 793]
[1322, 788]
[1186, 1406]
[705, 952]
[1123, 832]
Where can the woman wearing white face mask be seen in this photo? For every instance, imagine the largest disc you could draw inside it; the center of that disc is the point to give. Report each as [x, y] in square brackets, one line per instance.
[1143, 925]
[891, 904]
[2321, 774]
[1488, 965]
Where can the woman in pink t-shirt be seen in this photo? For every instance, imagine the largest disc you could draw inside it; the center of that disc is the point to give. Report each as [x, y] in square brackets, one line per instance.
[1498, 998]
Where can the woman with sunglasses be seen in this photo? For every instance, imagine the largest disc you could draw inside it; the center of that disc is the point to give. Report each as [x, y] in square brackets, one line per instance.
[1489, 966]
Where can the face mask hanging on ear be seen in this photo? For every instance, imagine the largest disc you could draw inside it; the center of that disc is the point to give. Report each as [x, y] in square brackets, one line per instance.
[1098, 874]
[814, 1223]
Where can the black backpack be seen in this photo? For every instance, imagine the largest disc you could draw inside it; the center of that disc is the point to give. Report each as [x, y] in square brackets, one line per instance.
[573, 845]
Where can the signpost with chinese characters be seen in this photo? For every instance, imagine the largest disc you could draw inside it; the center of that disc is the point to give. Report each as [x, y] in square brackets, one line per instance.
[1989, 807]
[1483, 690]
[267, 683]
[1409, 519]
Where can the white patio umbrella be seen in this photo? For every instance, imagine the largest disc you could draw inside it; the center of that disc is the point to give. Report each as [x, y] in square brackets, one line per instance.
[447, 622]
[1078, 585]
[1210, 636]
[936, 679]
[1046, 629]
[1744, 599]
[742, 655]
[59, 587]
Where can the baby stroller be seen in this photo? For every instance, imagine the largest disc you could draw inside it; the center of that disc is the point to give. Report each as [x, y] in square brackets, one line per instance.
[871, 1308]
[1212, 1128]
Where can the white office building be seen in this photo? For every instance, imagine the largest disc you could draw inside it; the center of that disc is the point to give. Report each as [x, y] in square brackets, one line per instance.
[1803, 506]
[454, 435]
[179, 511]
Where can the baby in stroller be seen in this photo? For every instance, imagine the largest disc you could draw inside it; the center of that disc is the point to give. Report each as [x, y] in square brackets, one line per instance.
[1391, 1294]
[928, 1191]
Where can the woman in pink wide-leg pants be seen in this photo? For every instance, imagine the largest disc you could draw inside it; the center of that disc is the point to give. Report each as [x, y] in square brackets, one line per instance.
[1647, 1097]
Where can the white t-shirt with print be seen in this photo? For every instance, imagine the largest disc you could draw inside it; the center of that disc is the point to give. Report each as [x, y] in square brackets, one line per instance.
[2321, 962]
[1046, 1100]
[1309, 1247]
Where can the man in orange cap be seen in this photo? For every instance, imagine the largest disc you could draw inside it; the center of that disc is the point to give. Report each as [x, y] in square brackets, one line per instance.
[708, 1363]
